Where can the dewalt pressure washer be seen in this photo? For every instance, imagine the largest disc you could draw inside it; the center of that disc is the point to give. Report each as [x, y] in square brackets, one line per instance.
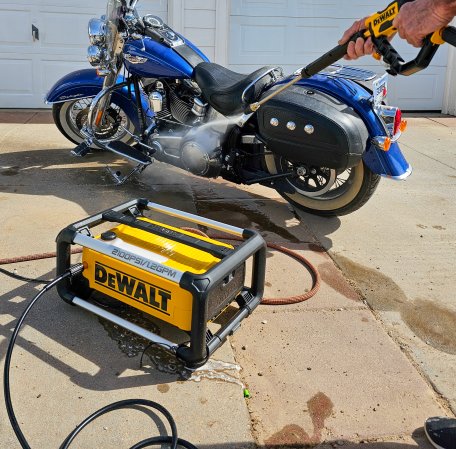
[171, 274]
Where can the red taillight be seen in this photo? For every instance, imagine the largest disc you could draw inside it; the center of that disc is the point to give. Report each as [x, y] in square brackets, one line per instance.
[397, 121]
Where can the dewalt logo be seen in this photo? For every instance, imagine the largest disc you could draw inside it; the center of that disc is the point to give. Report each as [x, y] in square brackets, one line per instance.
[135, 289]
[385, 15]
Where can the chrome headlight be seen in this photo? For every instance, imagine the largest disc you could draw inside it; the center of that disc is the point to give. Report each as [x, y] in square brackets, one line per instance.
[97, 31]
[95, 55]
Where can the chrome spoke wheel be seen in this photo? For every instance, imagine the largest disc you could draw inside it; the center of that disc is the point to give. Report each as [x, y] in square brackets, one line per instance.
[71, 117]
[114, 124]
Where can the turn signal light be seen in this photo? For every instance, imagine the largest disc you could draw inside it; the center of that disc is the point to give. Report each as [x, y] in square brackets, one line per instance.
[386, 144]
[403, 126]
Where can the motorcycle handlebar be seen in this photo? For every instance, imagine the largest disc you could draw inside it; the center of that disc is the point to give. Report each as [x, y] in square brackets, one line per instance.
[449, 35]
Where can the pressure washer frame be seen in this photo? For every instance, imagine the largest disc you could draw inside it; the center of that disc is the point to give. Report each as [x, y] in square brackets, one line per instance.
[202, 342]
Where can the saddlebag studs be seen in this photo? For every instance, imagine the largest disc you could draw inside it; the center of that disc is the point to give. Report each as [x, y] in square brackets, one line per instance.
[309, 129]
[274, 122]
[291, 126]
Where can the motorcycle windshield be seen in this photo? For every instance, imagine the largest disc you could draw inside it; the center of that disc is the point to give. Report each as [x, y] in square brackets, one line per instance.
[114, 13]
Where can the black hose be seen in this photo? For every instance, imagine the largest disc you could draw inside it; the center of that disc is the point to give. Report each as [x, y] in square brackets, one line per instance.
[22, 278]
[173, 440]
[6, 374]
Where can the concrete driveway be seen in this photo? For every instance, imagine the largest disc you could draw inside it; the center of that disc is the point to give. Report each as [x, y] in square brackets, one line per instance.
[349, 367]
[400, 250]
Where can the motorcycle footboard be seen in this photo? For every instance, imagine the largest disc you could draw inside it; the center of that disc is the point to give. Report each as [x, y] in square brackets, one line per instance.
[171, 274]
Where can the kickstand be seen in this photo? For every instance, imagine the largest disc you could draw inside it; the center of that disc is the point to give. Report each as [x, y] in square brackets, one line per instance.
[117, 177]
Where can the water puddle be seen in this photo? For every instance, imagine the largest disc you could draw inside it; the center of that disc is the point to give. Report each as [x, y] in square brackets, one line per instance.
[156, 358]
[433, 323]
[218, 370]
[243, 215]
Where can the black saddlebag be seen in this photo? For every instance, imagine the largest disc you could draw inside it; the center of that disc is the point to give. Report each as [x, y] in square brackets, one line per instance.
[327, 133]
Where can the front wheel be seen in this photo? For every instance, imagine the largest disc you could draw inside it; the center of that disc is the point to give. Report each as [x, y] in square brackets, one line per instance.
[323, 191]
[71, 116]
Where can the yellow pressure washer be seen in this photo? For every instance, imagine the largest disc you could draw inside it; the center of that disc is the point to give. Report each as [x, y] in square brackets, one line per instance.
[174, 275]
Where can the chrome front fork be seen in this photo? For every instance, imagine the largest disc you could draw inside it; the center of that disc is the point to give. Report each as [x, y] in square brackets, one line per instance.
[99, 105]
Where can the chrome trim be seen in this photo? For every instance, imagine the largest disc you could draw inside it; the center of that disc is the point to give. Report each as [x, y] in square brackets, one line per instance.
[97, 31]
[244, 119]
[153, 21]
[349, 72]
[156, 100]
[196, 219]
[402, 177]
[387, 114]
[274, 122]
[144, 263]
[199, 107]
[150, 336]
[250, 140]
[135, 59]
[95, 55]
[379, 141]
[278, 69]
[291, 126]
[309, 129]
[67, 99]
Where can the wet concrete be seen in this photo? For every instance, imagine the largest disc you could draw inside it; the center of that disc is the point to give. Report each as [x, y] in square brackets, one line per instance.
[433, 323]
[407, 233]
[329, 344]
[320, 408]
[244, 215]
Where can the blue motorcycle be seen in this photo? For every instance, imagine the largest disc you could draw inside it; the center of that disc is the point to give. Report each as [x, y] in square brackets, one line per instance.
[322, 137]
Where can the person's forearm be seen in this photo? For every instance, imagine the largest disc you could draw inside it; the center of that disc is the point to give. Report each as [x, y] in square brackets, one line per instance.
[446, 9]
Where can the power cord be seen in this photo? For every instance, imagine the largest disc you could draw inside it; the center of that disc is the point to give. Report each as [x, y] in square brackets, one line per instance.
[173, 440]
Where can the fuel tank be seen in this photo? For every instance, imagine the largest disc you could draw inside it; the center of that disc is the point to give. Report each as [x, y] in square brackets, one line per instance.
[151, 59]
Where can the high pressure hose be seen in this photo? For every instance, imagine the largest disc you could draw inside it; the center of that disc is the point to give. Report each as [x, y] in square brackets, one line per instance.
[173, 440]
[293, 254]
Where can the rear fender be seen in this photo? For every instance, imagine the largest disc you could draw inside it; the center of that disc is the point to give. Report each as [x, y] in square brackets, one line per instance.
[391, 164]
[86, 84]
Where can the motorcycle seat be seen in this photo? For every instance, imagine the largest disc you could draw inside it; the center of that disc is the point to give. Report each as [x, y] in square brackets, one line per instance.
[223, 89]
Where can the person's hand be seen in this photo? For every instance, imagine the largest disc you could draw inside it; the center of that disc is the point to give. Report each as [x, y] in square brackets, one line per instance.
[359, 48]
[420, 18]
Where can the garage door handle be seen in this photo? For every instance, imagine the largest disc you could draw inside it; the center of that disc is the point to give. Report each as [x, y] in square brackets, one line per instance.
[35, 33]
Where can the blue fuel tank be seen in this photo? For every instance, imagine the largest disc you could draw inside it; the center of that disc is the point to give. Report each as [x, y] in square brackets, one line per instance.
[151, 59]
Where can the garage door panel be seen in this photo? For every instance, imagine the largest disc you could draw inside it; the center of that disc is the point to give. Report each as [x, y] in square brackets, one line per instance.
[75, 25]
[54, 69]
[17, 76]
[18, 30]
[426, 88]
[294, 33]
[30, 68]
[303, 8]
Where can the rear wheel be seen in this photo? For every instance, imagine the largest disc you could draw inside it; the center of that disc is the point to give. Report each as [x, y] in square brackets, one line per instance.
[71, 116]
[324, 191]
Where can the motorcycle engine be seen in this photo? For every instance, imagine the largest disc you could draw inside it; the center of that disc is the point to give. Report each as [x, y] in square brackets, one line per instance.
[201, 152]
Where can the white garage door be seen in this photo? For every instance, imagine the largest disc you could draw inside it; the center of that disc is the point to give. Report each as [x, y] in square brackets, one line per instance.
[28, 66]
[292, 33]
